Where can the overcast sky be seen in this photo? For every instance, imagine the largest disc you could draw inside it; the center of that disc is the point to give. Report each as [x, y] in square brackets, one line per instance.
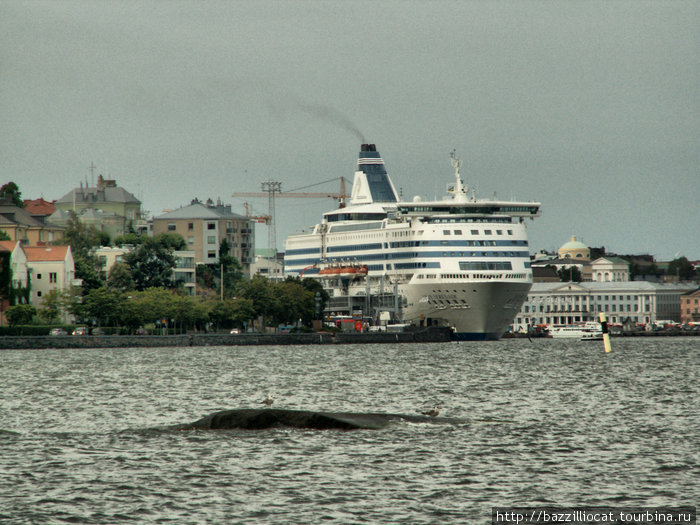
[590, 108]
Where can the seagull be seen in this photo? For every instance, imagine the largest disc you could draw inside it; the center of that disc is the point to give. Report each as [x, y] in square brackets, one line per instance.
[268, 400]
[433, 412]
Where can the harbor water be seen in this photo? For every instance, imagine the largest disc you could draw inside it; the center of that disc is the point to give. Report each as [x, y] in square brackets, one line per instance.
[529, 423]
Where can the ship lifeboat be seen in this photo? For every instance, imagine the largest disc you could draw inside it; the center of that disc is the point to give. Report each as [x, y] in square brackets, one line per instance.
[343, 271]
[331, 271]
[353, 271]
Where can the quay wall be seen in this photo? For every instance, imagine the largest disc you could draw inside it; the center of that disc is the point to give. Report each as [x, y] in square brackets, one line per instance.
[145, 341]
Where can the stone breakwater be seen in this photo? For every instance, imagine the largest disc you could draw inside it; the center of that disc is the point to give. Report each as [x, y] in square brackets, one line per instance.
[134, 341]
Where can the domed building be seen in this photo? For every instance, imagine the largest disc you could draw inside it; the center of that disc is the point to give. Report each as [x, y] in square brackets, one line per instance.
[575, 250]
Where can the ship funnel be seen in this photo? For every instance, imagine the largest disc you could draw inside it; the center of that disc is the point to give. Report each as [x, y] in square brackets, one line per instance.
[371, 184]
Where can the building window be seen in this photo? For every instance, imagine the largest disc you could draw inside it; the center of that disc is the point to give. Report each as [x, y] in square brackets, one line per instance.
[53, 277]
[211, 239]
[211, 254]
[171, 227]
[211, 226]
[190, 226]
[190, 240]
[38, 294]
[38, 276]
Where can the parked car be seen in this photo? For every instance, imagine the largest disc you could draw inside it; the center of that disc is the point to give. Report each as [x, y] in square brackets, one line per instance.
[235, 331]
[80, 330]
[58, 331]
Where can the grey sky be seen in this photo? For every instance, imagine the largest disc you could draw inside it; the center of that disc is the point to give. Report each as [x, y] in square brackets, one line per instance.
[588, 107]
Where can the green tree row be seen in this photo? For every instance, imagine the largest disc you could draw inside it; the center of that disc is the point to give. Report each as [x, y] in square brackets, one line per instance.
[258, 303]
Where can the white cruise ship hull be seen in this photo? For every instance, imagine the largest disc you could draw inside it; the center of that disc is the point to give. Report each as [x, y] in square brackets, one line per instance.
[477, 311]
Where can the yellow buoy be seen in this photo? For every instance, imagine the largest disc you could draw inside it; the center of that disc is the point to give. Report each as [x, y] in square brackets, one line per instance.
[606, 335]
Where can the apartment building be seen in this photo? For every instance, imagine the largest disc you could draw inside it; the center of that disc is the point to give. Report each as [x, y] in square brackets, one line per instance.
[205, 225]
[690, 307]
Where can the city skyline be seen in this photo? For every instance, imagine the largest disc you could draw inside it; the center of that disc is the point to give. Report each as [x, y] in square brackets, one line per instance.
[589, 108]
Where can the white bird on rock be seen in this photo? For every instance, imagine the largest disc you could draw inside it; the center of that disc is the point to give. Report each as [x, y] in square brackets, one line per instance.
[268, 400]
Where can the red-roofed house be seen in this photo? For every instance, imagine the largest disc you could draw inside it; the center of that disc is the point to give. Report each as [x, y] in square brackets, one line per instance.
[51, 268]
[39, 208]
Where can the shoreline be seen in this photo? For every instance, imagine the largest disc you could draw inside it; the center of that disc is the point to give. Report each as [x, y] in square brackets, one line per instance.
[433, 335]
[221, 339]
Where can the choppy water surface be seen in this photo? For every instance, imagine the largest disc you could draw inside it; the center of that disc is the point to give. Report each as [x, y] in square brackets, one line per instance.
[547, 423]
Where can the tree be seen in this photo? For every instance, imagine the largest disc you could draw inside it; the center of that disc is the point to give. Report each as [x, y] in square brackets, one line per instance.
[82, 240]
[231, 313]
[570, 274]
[11, 191]
[52, 306]
[20, 314]
[103, 306]
[120, 278]
[261, 292]
[151, 265]
[681, 268]
[172, 241]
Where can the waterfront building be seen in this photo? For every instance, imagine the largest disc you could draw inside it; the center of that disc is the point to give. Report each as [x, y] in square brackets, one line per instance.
[205, 225]
[20, 225]
[567, 303]
[50, 268]
[607, 269]
[108, 256]
[185, 271]
[106, 206]
[18, 262]
[270, 264]
[690, 307]
[12, 254]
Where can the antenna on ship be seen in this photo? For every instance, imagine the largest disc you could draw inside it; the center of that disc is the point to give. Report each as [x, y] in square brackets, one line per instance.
[459, 191]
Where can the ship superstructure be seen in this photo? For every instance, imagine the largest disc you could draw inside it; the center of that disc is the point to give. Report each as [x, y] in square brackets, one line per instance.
[461, 262]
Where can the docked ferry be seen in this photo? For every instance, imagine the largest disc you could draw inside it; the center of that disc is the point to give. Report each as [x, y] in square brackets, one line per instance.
[460, 262]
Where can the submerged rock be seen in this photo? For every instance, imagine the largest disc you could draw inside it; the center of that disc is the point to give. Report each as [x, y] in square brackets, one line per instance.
[261, 418]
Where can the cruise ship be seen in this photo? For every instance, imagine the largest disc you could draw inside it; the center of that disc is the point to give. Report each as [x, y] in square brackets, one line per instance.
[459, 262]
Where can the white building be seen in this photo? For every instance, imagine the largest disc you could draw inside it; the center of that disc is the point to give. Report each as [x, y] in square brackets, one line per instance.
[185, 270]
[109, 256]
[567, 303]
[50, 268]
[607, 269]
[18, 263]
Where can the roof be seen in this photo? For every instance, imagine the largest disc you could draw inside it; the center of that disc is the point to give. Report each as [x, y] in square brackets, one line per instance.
[15, 215]
[613, 260]
[610, 287]
[9, 245]
[87, 195]
[199, 210]
[46, 253]
[573, 244]
[39, 206]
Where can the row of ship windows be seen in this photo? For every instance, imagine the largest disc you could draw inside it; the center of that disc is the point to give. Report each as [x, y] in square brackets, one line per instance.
[412, 244]
[476, 232]
[473, 276]
[413, 255]
[403, 244]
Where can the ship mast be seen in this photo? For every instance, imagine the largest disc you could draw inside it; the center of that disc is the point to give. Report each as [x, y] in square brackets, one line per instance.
[459, 191]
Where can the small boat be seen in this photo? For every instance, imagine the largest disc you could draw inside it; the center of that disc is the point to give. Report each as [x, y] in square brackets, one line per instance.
[589, 331]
